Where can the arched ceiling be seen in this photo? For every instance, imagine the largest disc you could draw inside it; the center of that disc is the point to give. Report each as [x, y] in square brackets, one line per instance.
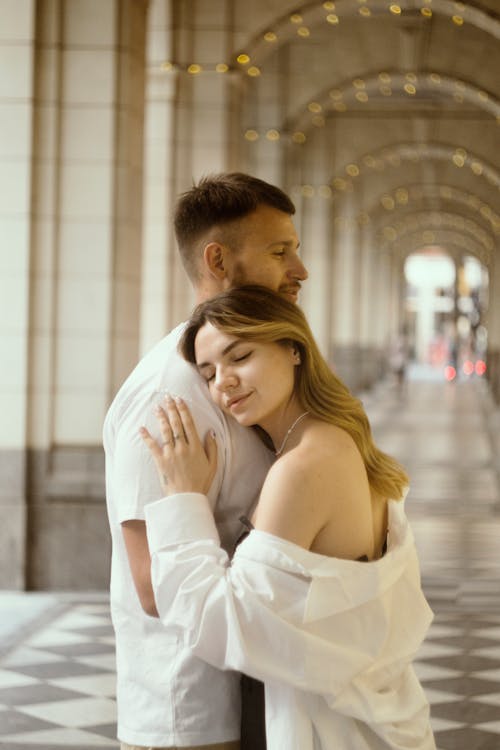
[393, 94]
[377, 105]
[455, 243]
[303, 19]
[433, 222]
[405, 157]
[426, 202]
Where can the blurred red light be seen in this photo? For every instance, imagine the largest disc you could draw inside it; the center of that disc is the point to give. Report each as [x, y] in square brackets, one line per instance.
[480, 367]
[468, 367]
[450, 373]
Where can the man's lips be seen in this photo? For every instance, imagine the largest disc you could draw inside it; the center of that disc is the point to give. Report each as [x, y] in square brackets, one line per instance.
[291, 291]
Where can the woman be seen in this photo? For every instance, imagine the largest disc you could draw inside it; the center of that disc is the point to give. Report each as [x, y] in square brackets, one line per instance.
[322, 600]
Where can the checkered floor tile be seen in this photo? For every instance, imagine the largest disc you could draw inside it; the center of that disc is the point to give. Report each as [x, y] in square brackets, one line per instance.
[57, 683]
[57, 687]
[459, 667]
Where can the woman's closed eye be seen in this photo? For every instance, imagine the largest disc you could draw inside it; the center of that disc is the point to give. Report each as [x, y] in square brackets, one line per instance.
[206, 374]
[242, 357]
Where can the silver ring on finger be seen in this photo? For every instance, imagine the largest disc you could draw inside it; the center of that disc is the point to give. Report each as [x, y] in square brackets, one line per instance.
[177, 437]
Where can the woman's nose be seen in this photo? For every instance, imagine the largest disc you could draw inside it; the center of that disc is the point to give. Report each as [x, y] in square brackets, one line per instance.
[224, 379]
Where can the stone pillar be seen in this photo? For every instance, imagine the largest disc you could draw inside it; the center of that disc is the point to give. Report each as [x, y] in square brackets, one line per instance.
[16, 138]
[396, 312]
[493, 326]
[264, 110]
[371, 354]
[86, 204]
[187, 125]
[158, 245]
[381, 295]
[316, 295]
[345, 303]
[314, 217]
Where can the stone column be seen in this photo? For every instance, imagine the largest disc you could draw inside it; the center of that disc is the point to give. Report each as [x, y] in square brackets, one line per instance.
[381, 295]
[314, 219]
[16, 138]
[493, 326]
[85, 273]
[187, 125]
[158, 245]
[316, 295]
[370, 367]
[344, 322]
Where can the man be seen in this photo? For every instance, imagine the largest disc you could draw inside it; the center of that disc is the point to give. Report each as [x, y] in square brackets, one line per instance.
[231, 229]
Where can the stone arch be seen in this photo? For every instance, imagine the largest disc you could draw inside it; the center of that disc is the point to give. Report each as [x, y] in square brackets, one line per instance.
[286, 27]
[420, 231]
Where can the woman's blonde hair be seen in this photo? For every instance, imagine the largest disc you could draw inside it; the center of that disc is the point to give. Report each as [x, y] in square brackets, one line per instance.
[255, 313]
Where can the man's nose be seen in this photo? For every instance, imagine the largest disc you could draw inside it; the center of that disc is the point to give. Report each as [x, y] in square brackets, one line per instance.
[298, 270]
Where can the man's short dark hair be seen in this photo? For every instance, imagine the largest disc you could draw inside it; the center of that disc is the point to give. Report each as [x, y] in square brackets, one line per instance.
[218, 201]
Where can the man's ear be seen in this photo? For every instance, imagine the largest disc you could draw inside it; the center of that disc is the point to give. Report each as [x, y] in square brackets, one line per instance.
[214, 258]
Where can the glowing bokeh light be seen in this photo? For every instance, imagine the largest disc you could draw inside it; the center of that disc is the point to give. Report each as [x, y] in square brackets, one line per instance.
[480, 367]
[450, 373]
[468, 367]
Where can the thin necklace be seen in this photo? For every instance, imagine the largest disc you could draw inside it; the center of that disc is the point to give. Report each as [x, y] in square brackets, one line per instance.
[282, 446]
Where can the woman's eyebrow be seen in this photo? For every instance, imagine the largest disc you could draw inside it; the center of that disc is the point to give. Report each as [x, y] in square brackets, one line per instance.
[225, 351]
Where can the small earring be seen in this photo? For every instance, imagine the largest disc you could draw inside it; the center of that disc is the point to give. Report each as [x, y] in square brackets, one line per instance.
[297, 360]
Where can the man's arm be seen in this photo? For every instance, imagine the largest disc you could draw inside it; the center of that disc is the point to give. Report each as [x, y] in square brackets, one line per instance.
[136, 543]
[133, 480]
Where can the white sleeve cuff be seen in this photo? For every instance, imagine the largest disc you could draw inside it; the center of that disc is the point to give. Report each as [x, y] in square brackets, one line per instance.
[184, 517]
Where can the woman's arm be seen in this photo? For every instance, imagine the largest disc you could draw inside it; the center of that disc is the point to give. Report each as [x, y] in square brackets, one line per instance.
[247, 615]
[254, 615]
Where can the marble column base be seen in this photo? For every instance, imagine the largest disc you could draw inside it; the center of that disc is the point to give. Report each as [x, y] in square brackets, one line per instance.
[55, 530]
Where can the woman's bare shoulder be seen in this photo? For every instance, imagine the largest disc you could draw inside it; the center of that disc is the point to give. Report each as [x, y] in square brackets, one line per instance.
[326, 444]
[320, 482]
[300, 488]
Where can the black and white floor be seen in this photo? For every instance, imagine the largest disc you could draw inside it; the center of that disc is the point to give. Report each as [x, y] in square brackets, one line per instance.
[57, 678]
[57, 687]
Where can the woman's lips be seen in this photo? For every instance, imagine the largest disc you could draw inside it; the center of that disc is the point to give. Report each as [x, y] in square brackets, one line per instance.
[235, 401]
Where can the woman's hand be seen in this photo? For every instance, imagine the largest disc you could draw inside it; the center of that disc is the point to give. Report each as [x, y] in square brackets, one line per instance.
[183, 463]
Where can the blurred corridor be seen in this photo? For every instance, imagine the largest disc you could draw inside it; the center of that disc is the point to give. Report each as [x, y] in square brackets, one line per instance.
[56, 670]
[448, 437]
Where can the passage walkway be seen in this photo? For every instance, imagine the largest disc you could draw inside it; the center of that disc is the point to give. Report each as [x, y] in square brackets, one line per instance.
[57, 651]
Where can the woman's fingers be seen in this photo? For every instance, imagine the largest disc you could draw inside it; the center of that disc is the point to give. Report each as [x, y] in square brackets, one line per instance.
[183, 463]
[211, 452]
[188, 424]
[177, 426]
[175, 421]
[150, 442]
[165, 427]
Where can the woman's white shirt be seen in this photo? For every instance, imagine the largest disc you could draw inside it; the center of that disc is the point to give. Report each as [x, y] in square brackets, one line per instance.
[332, 639]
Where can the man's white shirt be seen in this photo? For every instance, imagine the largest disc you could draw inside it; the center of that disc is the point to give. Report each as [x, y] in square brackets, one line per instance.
[165, 695]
